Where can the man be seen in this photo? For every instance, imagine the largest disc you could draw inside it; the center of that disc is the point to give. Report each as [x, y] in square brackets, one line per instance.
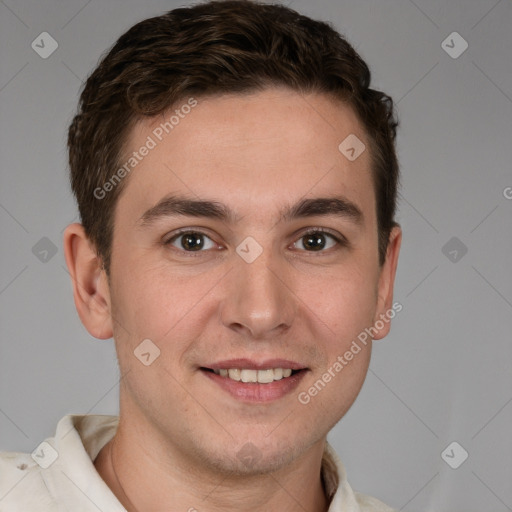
[236, 179]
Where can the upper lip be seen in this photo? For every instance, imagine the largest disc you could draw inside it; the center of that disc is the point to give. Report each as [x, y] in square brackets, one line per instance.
[251, 364]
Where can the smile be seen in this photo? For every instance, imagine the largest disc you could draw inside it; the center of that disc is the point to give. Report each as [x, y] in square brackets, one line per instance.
[260, 376]
[251, 385]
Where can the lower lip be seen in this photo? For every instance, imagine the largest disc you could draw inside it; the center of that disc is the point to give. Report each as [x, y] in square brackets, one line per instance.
[254, 391]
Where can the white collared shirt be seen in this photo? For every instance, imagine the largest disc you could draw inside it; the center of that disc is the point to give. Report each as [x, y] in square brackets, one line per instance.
[59, 476]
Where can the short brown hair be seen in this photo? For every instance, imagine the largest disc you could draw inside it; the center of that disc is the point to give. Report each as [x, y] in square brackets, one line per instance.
[218, 47]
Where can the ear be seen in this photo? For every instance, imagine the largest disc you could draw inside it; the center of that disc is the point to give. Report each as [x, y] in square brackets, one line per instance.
[90, 285]
[386, 283]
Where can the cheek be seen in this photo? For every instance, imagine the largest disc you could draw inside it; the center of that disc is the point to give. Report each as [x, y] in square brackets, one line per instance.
[149, 305]
[344, 301]
[152, 303]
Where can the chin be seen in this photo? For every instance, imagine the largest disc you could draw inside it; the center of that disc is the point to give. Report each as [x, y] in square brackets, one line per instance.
[256, 457]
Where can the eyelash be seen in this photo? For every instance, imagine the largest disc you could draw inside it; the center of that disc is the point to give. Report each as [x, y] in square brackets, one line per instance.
[340, 240]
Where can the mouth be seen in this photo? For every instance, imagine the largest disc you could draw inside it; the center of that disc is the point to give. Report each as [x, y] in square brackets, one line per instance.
[250, 381]
[246, 375]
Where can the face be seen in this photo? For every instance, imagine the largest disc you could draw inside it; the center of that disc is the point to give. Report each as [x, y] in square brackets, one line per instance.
[281, 271]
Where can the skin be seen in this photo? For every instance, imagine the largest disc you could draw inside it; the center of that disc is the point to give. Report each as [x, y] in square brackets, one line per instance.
[179, 433]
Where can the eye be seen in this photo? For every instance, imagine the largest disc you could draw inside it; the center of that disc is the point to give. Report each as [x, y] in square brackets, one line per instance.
[317, 240]
[314, 240]
[191, 241]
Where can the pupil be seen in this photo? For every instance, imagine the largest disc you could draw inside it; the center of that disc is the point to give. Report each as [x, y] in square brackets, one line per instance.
[314, 242]
[192, 242]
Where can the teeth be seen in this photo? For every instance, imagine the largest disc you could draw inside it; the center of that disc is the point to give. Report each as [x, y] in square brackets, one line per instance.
[249, 376]
[260, 376]
[234, 374]
[265, 376]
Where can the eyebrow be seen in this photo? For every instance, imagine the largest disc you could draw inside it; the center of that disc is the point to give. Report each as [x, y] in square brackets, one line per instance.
[175, 206]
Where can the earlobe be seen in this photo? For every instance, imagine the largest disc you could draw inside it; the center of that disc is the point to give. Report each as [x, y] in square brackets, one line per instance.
[386, 284]
[90, 286]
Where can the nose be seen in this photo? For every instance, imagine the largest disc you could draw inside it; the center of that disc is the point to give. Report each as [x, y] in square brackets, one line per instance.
[259, 302]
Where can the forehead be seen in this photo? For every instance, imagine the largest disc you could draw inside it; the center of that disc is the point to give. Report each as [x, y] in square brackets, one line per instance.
[254, 150]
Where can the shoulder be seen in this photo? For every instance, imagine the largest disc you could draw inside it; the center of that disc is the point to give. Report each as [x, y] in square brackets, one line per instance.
[52, 477]
[370, 504]
[22, 487]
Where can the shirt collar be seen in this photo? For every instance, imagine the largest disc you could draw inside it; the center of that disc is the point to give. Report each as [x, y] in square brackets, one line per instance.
[79, 439]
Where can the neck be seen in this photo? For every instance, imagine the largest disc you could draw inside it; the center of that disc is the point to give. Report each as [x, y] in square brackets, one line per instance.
[143, 479]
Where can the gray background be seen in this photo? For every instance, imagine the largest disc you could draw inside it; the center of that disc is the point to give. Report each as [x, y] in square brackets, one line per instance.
[442, 375]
